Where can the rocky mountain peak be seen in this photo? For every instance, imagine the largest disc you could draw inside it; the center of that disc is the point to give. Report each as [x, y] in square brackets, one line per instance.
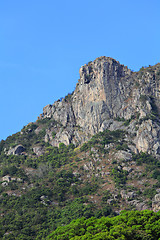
[102, 66]
[106, 93]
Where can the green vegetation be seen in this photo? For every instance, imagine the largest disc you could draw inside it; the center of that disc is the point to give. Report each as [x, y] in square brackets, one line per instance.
[154, 114]
[122, 146]
[57, 156]
[53, 155]
[119, 176]
[12, 170]
[154, 106]
[28, 217]
[144, 225]
[143, 98]
[68, 97]
[149, 193]
[127, 122]
[158, 73]
[55, 190]
[103, 138]
[53, 134]
[156, 174]
[28, 136]
[119, 119]
[147, 159]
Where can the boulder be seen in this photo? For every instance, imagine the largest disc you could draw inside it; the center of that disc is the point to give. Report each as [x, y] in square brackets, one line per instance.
[38, 150]
[18, 150]
[6, 178]
[156, 203]
[123, 155]
[127, 195]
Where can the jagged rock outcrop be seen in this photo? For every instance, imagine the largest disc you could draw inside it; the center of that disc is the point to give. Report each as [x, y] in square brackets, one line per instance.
[106, 95]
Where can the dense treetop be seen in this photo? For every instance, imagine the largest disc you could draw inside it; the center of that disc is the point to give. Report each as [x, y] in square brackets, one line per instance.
[144, 225]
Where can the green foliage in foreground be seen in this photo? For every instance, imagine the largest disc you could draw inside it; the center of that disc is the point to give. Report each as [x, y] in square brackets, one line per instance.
[137, 225]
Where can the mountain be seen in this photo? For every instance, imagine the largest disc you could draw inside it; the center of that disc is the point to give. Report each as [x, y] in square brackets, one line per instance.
[106, 95]
[96, 150]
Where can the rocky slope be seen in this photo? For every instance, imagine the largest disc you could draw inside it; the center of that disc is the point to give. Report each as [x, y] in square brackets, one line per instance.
[106, 95]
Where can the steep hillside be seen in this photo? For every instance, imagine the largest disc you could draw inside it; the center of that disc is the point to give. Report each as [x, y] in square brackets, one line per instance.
[93, 153]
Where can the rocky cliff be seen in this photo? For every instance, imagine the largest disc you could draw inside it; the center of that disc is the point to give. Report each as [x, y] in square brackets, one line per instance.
[108, 95]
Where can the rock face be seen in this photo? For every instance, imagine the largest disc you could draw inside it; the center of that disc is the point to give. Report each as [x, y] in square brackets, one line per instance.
[106, 95]
[100, 94]
[147, 139]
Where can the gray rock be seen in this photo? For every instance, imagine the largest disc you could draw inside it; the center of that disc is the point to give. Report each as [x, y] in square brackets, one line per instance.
[110, 145]
[123, 155]
[147, 139]
[6, 178]
[127, 195]
[19, 180]
[156, 203]
[18, 150]
[139, 205]
[43, 197]
[157, 197]
[107, 91]
[110, 201]
[88, 166]
[4, 184]
[128, 169]
[38, 150]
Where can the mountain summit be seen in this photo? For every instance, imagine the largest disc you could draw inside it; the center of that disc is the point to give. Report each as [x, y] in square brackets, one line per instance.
[106, 96]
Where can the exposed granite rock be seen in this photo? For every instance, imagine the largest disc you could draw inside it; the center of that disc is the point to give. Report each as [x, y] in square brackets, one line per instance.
[38, 150]
[127, 195]
[4, 184]
[6, 178]
[148, 136]
[128, 169]
[18, 150]
[123, 155]
[100, 93]
[156, 203]
[139, 205]
[106, 96]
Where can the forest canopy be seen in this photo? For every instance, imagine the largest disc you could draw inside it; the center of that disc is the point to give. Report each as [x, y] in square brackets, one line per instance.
[137, 225]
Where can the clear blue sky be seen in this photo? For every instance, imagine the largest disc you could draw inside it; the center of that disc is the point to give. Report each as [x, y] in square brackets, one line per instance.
[44, 43]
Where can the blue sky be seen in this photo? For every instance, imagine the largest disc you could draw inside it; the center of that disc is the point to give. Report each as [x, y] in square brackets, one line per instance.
[44, 43]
